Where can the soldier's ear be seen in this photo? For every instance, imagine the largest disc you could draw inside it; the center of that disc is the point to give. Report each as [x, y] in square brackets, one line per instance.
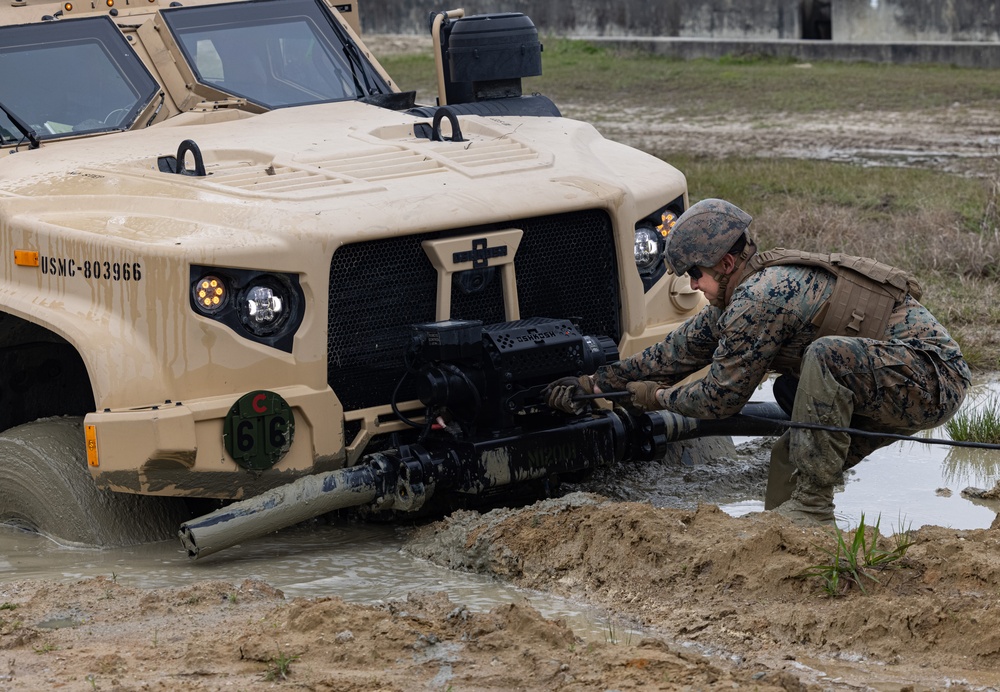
[727, 263]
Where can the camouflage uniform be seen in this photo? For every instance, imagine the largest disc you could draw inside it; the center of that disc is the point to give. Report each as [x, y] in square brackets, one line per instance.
[915, 378]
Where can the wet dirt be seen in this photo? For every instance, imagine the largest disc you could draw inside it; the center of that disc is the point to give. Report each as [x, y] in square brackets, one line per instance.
[733, 588]
[955, 139]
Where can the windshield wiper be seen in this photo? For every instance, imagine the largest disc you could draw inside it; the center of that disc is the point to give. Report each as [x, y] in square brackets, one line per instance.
[358, 65]
[22, 126]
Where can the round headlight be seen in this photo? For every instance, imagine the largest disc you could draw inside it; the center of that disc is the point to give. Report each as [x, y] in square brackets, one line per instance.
[210, 294]
[648, 247]
[264, 307]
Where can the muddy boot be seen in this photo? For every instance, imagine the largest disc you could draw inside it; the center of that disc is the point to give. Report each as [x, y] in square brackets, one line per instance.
[818, 454]
[810, 505]
[780, 481]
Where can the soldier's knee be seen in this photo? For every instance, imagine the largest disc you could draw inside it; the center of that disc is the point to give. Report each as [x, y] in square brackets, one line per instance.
[822, 350]
[817, 358]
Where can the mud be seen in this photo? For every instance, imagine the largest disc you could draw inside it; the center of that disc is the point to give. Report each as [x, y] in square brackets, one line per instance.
[955, 139]
[711, 470]
[735, 588]
[646, 586]
[44, 481]
[219, 636]
[694, 599]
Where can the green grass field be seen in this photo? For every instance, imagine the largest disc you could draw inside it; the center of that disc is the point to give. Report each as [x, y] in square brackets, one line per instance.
[577, 71]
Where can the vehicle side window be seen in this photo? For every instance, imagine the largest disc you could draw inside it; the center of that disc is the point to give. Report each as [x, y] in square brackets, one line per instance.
[275, 53]
[70, 77]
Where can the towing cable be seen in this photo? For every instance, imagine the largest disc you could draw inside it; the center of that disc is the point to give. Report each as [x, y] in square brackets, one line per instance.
[826, 428]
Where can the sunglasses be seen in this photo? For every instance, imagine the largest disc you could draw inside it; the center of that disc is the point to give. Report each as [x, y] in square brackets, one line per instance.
[695, 273]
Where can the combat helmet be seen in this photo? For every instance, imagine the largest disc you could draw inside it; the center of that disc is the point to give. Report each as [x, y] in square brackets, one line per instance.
[704, 234]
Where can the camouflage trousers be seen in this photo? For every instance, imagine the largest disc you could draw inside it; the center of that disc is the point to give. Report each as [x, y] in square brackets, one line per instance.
[878, 386]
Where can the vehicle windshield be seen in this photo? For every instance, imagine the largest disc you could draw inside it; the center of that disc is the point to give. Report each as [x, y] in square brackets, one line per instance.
[70, 77]
[274, 53]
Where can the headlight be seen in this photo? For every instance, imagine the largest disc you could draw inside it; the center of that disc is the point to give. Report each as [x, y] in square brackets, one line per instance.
[651, 240]
[262, 306]
[648, 248]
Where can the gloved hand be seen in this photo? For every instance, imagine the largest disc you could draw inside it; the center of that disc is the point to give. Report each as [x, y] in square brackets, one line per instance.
[644, 395]
[607, 380]
[559, 394]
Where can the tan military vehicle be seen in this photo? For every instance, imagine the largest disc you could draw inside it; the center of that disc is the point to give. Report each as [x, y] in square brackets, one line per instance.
[241, 264]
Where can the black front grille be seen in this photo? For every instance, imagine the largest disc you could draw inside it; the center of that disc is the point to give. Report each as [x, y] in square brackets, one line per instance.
[566, 268]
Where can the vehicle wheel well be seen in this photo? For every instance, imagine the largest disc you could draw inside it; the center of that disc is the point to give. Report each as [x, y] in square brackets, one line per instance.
[41, 374]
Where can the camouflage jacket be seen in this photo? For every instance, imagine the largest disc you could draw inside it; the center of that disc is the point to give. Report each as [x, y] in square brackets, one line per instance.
[765, 327]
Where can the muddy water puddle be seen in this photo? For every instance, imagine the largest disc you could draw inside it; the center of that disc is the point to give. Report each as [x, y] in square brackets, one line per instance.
[358, 562]
[910, 484]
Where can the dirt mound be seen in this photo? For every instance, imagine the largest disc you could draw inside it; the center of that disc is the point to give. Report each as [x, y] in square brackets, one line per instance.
[97, 634]
[737, 584]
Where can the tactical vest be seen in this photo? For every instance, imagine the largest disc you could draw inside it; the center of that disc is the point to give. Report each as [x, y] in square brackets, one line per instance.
[863, 298]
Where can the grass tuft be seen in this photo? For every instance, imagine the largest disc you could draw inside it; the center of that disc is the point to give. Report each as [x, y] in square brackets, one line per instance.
[858, 559]
[281, 666]
[981, 424]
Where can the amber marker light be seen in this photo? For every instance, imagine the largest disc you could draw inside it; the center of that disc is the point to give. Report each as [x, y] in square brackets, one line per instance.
[68, 6]
[109, 3]
[210, 294]
[668, 221]
[26, 258]
[90, 435]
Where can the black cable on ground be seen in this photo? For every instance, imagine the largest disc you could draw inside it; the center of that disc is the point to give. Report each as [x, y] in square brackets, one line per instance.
[872, 433]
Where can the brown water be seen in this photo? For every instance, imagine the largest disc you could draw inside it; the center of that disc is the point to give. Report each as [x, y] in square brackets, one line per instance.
[359, 563]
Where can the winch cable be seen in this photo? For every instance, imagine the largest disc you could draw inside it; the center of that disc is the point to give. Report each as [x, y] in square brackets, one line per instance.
[872, 433]
[827, 428]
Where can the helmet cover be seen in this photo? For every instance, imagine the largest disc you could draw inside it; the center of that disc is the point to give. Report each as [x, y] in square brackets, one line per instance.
[704, 234]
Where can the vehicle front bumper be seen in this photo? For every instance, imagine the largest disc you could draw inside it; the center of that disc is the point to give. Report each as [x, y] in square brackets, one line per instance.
[178, 448]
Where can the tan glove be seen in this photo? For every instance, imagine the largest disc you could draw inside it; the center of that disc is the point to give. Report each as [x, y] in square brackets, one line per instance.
[606, 380]
[644, 395]
[560, 394]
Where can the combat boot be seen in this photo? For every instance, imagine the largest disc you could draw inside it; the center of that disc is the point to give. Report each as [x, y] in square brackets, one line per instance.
[781, 475]
[810, 505]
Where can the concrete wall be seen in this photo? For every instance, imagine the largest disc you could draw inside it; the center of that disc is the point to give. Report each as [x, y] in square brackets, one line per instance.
[849, 20]
[958, 53]
[916, 20]
[767, 19]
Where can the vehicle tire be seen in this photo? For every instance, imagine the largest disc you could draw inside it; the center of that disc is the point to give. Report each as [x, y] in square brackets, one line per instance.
[45, 486]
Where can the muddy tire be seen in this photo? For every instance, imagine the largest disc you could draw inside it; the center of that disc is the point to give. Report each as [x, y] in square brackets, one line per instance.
[45, 486]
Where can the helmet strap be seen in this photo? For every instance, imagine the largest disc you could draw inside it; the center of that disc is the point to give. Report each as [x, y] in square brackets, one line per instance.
[724, 294]
[720, 297]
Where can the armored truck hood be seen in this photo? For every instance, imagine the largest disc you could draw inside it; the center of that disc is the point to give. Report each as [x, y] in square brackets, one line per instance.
[317, 165]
